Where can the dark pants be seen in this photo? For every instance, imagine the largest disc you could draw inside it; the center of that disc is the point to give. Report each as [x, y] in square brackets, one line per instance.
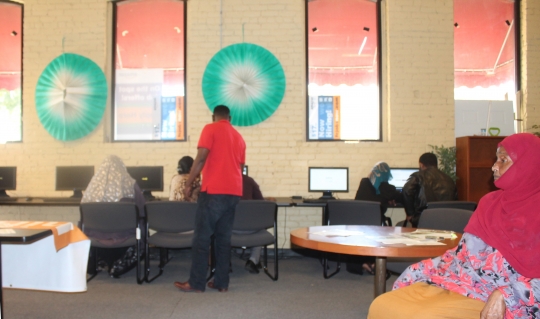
[215, 216]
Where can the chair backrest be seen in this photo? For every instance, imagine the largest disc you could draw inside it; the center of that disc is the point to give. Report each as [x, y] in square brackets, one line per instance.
[445, 219]
[354, 212]
[453, 204]
[171, 217]
[254, 215]
[109, 217]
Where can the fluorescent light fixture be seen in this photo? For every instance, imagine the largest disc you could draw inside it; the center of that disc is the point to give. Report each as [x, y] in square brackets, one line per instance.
[362, 46]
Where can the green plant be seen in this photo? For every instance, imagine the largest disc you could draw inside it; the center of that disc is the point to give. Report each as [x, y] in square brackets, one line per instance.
[536, 127]
[447, 159]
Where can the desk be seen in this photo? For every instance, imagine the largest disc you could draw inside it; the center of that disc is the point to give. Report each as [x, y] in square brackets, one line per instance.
[289, 202]
[18, 236]
[54, 263]
[361, 245]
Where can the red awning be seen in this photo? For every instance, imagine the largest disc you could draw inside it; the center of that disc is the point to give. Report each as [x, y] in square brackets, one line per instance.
[11, 46]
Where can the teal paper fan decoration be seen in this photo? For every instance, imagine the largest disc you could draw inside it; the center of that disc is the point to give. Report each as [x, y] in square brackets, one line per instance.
[248, 79]
[71, 96]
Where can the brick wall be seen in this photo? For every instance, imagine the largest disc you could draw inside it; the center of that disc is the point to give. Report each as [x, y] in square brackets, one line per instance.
[417, 92]
[530, 60]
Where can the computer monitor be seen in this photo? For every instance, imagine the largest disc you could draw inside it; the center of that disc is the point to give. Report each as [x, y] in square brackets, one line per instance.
[245, 170]
[149, 178]
[400, 175]
[75, 178]
[328, 180]
[8, 180]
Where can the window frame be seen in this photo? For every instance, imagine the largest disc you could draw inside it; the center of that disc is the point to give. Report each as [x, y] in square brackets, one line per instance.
[21, 75]
[113, 77]
[379, 75]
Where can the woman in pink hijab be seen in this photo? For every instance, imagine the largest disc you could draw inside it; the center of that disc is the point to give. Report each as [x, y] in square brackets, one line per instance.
[494, 272]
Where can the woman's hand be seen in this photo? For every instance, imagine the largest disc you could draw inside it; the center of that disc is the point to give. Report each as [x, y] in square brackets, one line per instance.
[495, 306]
[187, 191]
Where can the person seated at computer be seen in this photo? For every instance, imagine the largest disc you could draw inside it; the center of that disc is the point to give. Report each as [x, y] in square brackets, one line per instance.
[251, 190]
[178, 182]
[429, 184]
[494, 270]
[112, 183]
[375, 188]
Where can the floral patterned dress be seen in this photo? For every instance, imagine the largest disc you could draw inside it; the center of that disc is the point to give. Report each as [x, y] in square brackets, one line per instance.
[474, 269]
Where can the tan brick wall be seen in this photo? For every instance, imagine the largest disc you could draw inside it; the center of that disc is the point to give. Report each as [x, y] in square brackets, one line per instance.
[530, 59]
[418, 92]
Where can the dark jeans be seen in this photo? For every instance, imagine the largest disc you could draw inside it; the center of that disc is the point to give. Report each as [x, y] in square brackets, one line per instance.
[215, 216]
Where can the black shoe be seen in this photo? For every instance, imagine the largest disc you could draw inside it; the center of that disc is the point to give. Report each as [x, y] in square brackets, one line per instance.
[251, 267]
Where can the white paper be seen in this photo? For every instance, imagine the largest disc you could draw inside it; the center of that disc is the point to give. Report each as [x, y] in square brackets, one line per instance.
[338, 233]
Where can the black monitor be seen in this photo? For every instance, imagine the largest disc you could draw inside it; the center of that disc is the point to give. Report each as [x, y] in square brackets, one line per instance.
[400, 175]
[73, 178]
[328, 180]
[149, 178]
[8, 180]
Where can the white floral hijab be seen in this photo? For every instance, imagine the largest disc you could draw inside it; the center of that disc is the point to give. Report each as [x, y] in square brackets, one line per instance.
[110, 183]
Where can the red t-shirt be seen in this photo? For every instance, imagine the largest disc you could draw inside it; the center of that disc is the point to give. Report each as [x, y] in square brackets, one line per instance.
[221, 173]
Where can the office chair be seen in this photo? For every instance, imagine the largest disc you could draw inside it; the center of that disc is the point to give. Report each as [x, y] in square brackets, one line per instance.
[350, 212]
[173, 223]
[471, 206]
[256, 216]
[453, 219]
[114, 217]
[453, 204]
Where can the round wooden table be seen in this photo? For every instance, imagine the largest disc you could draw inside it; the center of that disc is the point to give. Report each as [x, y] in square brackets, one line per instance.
[364, 246]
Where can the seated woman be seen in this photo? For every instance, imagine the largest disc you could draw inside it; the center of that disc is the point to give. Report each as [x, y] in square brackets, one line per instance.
[178, 182]
[494, 272]
[375, 188]
[112, 183]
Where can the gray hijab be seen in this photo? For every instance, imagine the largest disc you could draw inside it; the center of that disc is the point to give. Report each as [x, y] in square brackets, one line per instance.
[110, 183]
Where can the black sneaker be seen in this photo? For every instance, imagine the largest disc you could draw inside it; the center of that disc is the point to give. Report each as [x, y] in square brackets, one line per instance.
[251, 267]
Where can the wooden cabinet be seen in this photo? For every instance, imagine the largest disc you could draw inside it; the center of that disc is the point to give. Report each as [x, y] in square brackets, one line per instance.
[475, 155]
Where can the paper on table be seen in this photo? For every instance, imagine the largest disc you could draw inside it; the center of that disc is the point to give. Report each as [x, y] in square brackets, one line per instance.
[405, 240]
[338, 233]
[434, 233]
[6, 231]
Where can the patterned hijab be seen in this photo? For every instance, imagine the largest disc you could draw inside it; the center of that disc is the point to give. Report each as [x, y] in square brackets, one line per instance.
[508, 219]
[110, 183]
[379, 173]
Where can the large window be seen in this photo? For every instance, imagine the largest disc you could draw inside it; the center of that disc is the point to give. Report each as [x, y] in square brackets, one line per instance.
[485, 49]
[149, 77]
[343, 64]
[11, 15]
[485, 61]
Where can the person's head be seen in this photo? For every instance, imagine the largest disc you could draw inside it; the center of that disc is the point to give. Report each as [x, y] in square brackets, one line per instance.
[184, 165]
[518, 157]
[427, 160]
[380, 173]
[110, 183]
[221, 112]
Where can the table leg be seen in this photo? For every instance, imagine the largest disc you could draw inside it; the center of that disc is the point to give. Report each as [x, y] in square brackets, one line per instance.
[1, 287]
[380, 276]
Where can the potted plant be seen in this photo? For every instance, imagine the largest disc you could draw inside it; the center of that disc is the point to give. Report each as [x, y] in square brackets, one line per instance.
[447, 159]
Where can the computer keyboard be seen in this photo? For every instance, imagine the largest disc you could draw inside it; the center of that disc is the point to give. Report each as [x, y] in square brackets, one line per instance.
[314, 201]
[61, 200]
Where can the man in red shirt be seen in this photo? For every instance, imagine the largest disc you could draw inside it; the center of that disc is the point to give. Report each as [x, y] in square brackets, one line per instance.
[221, 154]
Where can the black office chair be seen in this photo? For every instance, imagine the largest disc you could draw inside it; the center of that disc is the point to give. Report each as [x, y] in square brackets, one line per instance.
[115, 217]
[471, 206]
[257, 216]
[453, 204]
[453, 219]
[350, 212]
[173, 223]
